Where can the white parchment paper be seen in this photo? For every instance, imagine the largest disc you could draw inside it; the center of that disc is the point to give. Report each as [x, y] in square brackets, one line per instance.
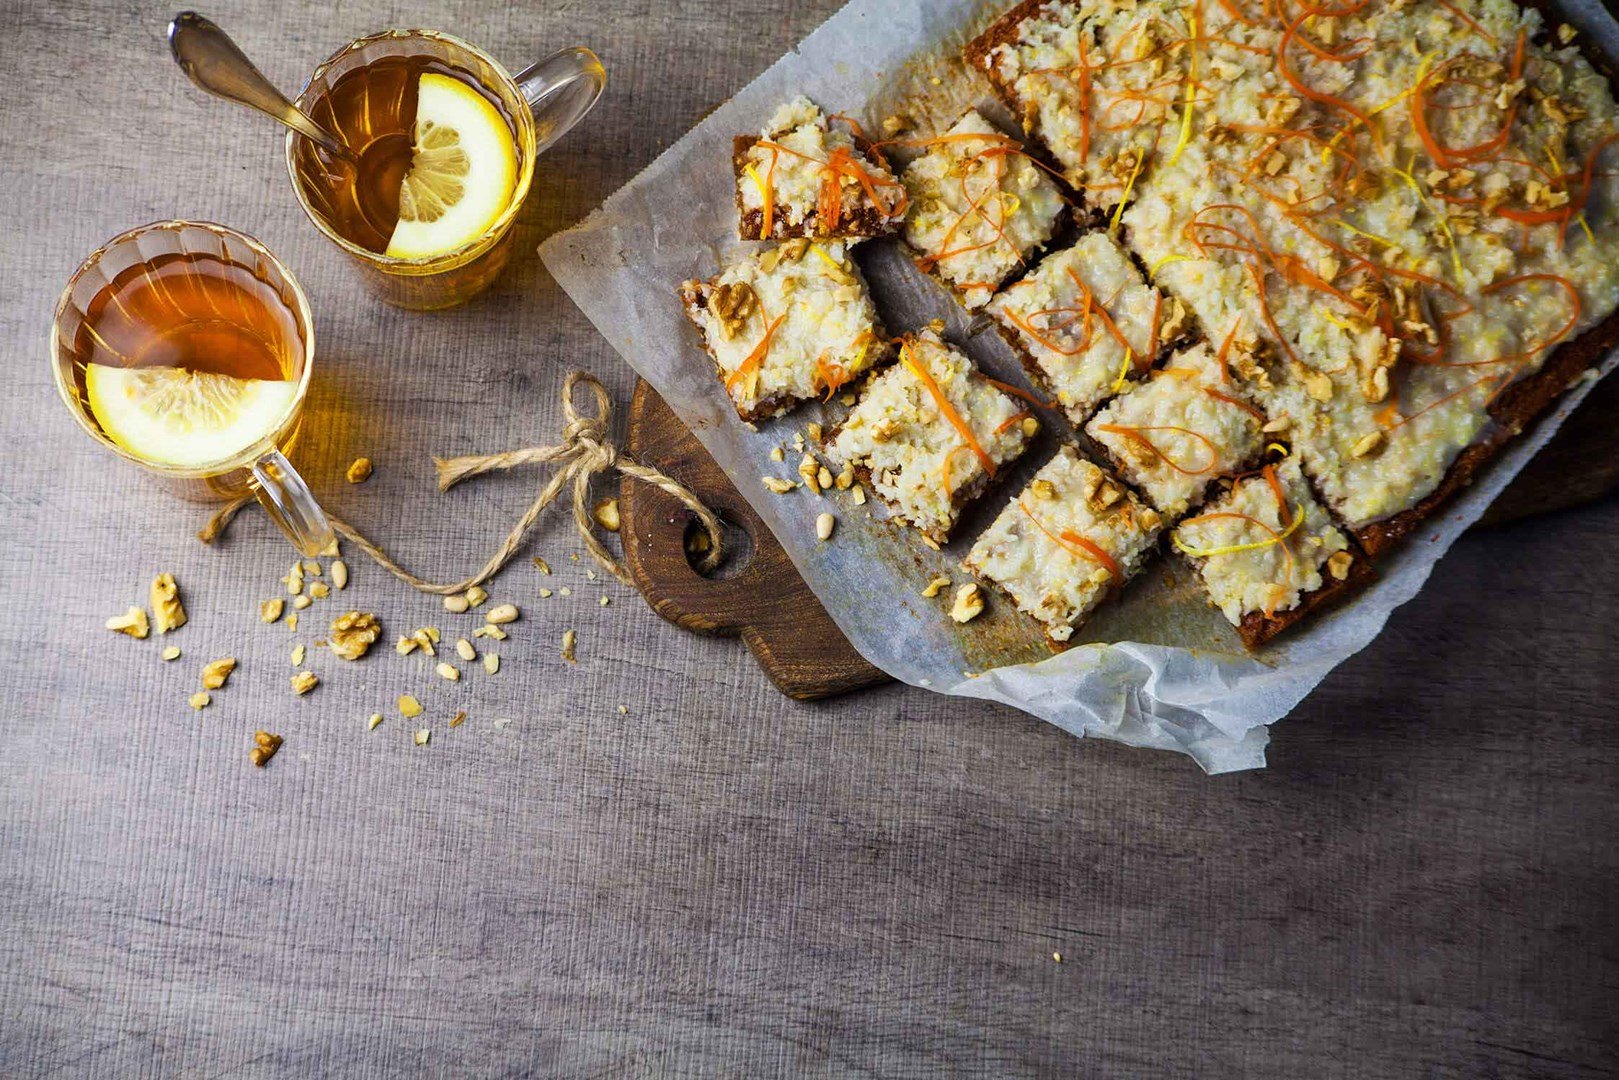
[1163, 669]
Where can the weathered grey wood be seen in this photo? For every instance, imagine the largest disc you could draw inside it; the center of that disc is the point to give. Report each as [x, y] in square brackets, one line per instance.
[720, 881]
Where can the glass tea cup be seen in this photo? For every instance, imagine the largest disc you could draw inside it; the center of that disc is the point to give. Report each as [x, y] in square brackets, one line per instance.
[359, 95]
[196, 309]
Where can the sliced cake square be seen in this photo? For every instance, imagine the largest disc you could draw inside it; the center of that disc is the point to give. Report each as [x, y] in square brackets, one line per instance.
[1178, 428]
[1084, 321]
[808, 176]
[1071, 539]
[787, 324]
[978, 208]
[1268, 553]
[1088, 80]
[930, 433]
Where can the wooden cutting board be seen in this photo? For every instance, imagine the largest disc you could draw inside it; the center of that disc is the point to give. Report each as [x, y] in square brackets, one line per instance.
[759, 596]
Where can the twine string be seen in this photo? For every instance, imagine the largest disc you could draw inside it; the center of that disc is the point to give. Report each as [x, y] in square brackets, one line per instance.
[586, 450]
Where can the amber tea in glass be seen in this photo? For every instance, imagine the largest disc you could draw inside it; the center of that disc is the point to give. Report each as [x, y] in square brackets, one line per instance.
[186, 347]
[367, 96]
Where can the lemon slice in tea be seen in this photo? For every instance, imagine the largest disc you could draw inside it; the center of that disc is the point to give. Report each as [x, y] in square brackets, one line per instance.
[463, 170]
[174, 416]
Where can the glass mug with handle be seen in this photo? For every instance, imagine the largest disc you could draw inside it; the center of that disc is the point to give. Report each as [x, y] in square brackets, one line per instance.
[186, 348]
[446, 143]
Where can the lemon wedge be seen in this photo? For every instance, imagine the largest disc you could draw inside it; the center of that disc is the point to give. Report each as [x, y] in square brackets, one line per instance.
[173, 416]
[463, 170]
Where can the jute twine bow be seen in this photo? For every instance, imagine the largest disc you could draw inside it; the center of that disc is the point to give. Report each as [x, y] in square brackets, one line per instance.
[586, 450]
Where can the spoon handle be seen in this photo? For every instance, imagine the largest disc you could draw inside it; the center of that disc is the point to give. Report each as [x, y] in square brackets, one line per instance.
[214, 63]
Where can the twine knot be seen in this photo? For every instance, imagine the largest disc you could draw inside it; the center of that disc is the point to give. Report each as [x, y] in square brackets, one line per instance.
[586, 451]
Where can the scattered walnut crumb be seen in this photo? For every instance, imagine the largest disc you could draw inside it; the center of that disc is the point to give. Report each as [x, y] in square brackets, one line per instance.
[810, 470]
[969, 603]
[353, 633]
[564, 591]
[172, 652]
[300, 602]
[264, 748]
[491, 663]
[545, 594]
[1338, 565]
[1031, 426]
[448, 671]
[476, 595]
[459, 719]
[304, 681]
[1279, 424]
[132, 622]
[778, 485]
[422, 735]
[893, 125]
[294, 581]
[270, 610]
[360, 470]
[858, 494]
[312, 567]
[936, 586]
[298, 655]
[1043, 489]
[606, 514]
[500, 616]
[541, 565]
[167, 612]
[371, 724]
[569, 640]
[405, 646]
[409, 706]
[214, 675]
[490, 631]
[320, 590]
[292, 623]
[200, 700]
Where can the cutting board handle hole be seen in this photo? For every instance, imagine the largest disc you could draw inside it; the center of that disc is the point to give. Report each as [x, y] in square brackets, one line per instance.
[739, 548]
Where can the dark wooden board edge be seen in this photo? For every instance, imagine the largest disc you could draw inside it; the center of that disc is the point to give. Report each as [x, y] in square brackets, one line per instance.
[764, 601]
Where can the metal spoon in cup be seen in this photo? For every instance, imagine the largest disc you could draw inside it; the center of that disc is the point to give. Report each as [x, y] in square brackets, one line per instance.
[214, 63]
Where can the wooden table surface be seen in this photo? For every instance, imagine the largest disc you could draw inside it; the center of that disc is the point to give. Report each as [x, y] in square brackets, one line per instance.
[713, 880]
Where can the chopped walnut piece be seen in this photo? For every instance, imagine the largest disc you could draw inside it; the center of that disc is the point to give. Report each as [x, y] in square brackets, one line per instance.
[167, 613]
[353, 633]
[264, 747]
[606, 514]
[1338, 565]
[409, 706]
[200, 700]
[132, 622]
[422, 735]
[1367, 444]
[969, 603]
[935, 586]
[294, 581]
[215, 674]
[320, 590]
[733, 304]
[778, 485]
[270, 610]
[477, 595]
[491, 663]
[171, 653]
[569, 640]
[301, 601]
[448, 671]
[304, 681]
[359, 471]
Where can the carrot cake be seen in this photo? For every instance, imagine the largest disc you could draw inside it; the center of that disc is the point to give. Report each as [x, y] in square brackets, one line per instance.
[1174, 431]
[1085, 320]
[813, 176]
[787, 324]
[1266, 551]
[1409, 205]
[978, 207]
[1072, 538]
[930, 433]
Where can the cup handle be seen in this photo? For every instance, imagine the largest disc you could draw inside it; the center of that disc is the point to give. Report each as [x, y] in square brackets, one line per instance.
[290, 505]
[559, 90]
